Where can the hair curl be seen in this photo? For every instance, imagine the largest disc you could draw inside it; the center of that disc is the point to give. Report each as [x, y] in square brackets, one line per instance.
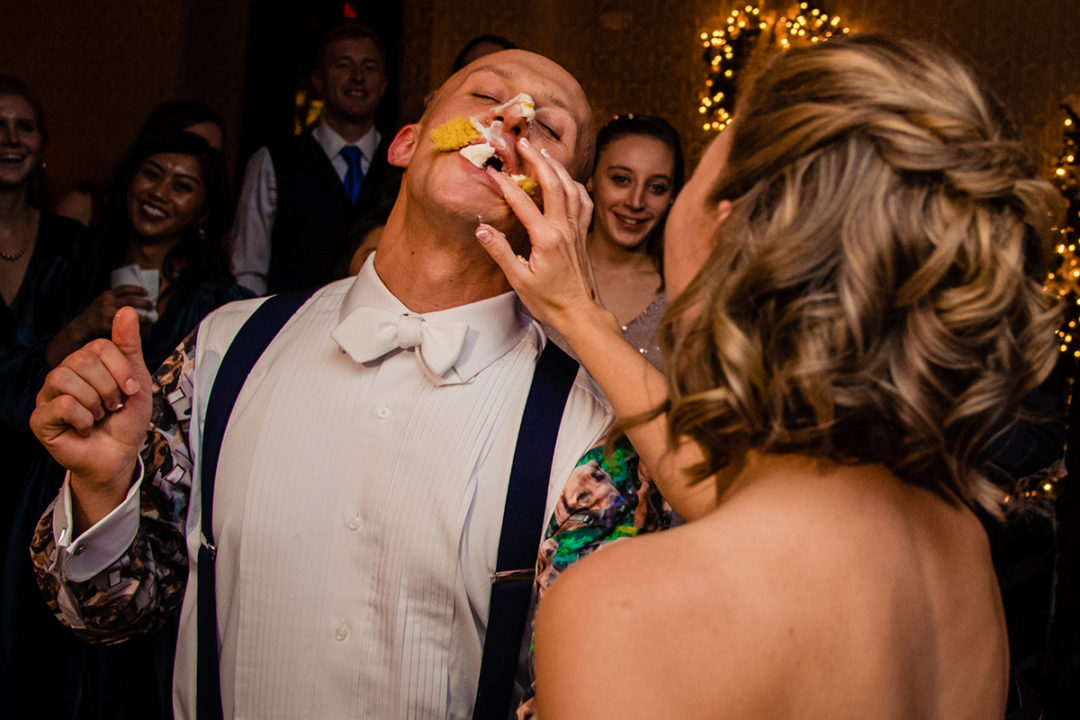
[875, 295]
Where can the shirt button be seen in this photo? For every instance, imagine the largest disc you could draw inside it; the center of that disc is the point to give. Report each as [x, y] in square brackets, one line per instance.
[79, 549]
[383, 412]
[342, 632]
[354, 521]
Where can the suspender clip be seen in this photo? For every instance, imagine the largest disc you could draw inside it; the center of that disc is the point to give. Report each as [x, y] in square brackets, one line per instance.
[506, 576]
[210, 547]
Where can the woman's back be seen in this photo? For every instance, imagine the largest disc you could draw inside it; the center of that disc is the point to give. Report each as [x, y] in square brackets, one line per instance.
[813, 591]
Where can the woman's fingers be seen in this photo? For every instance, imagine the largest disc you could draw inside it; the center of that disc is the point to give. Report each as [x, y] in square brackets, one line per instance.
[499, 249]
[519, 201]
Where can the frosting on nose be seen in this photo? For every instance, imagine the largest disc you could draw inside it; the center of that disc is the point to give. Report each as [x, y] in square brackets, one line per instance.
[526, 103]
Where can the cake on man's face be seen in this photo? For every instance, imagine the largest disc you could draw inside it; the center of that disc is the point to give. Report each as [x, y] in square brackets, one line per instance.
[477, 143]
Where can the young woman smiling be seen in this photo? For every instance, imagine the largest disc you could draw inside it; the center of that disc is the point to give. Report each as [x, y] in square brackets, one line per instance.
[168, 210]
[637, 173]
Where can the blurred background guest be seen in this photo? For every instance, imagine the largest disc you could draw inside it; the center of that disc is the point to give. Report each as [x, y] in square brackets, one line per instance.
[480, 46]
[301, 194]
[34, 248]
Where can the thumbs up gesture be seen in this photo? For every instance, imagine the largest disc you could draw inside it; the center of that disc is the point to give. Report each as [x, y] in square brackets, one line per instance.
[92, 416]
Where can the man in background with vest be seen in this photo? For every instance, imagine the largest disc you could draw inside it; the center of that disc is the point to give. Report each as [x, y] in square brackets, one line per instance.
[300, 195]
[361, 482]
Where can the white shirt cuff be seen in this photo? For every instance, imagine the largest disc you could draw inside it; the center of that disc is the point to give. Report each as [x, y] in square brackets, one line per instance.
[100, 545]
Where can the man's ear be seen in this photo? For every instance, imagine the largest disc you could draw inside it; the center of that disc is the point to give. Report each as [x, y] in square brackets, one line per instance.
[404, 144]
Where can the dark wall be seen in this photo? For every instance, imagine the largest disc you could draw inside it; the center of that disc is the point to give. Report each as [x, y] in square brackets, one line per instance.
[644, 56]
[100, 67]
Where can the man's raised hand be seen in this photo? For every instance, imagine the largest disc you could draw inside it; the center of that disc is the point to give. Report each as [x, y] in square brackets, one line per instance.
[93, 413]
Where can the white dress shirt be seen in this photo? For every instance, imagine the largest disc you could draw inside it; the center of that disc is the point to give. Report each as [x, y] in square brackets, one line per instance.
[357, 512]
[257, 206]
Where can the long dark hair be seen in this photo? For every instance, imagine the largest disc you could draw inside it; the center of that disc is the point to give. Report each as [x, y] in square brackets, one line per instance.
[201, 252]
[651, 126]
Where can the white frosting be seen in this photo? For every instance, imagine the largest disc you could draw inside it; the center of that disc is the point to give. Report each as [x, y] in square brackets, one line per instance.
[478, 154]
[528, 106]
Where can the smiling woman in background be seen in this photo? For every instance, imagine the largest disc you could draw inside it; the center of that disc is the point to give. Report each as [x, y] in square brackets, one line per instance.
[168, 213]
[35, 247]
[637, 174]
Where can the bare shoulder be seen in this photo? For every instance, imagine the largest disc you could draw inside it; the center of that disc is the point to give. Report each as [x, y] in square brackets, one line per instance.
[809, 587]
[675, 610]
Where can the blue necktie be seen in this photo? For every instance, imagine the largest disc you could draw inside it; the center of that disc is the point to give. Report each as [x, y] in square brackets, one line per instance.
[354, 174]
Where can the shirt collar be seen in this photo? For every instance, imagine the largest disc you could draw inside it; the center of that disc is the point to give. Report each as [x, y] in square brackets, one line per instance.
[496, 324]
[332, 143]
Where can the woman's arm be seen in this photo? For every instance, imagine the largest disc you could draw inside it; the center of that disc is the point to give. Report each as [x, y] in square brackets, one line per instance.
[553, 284]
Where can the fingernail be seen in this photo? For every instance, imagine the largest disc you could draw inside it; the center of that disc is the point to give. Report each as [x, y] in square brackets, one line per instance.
[483, 234]
[525, 142]
[131, 386]
[544, 152]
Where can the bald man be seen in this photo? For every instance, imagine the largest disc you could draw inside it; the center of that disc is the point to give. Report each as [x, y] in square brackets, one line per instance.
[360, 489]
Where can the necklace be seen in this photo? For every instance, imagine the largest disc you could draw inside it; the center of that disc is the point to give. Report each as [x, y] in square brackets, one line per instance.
[12, 257]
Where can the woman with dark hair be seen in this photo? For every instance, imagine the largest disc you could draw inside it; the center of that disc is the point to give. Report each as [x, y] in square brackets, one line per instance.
[478, 47]
[172, 116]
[163, 228]
[864, 315]
[637, 173]
[169, 211]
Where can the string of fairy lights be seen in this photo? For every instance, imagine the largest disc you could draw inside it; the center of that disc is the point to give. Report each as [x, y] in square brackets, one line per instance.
[727, 51]
[1065, 281]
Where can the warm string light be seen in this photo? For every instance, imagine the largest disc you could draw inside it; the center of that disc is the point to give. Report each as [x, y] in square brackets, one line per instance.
[813, 24]
[726, 53]
[727, 50]
[1065, 281]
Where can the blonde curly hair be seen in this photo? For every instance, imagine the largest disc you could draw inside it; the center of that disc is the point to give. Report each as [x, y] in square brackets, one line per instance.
[875, 295]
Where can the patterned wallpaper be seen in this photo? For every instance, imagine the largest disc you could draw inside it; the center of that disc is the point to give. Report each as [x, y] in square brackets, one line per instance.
[642, 55]
[100, 66]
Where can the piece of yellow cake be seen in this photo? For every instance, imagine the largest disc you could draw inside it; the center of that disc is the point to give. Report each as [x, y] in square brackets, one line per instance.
[526, 183]
[454, 134]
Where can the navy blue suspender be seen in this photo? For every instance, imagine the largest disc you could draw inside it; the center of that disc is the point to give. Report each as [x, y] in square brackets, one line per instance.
[523, 516]
[246, 347]
[523, 521]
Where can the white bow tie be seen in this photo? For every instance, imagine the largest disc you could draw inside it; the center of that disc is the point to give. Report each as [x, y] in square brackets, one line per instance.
[369, 333]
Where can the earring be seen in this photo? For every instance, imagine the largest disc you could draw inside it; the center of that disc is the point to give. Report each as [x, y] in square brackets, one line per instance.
[202, 233]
